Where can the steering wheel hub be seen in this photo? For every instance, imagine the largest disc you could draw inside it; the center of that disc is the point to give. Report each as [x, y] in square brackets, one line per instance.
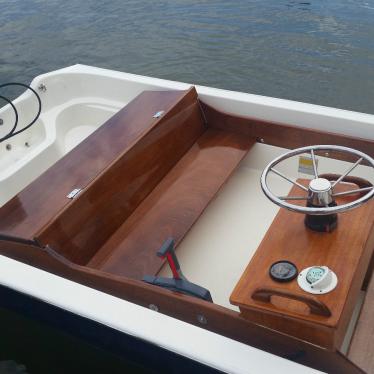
[319, 185]
[320, 192]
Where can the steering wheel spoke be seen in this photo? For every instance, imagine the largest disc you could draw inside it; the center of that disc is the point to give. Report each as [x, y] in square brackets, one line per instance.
[352, 192]
[347, 172]
[288, 179]
[314, 163]
[293, 197]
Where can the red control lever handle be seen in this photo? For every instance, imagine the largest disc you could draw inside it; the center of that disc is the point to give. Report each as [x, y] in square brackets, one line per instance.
[167, 250]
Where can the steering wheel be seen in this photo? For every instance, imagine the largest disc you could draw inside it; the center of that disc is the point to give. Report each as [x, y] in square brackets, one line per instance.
[320, 192]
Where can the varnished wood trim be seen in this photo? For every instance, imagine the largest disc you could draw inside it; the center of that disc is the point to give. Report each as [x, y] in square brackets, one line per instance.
[83, 227]
[283, 135]
[36, 205]
[17, 239]
[316, 306]
[173, 206]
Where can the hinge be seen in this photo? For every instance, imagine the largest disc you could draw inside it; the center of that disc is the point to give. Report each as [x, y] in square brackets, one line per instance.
[73, 194]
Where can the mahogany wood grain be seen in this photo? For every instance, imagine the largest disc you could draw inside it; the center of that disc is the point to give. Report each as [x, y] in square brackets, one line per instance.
[80, 230]
[315, 306]
[219, 319]
[362, 343]
[347, 251]
[283, 135]
[36, 205]
[173, 206]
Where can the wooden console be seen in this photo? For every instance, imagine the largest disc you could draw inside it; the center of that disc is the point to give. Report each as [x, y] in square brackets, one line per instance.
[285, 307]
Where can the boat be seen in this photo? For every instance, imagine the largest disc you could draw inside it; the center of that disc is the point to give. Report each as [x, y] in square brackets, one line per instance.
[189, 227]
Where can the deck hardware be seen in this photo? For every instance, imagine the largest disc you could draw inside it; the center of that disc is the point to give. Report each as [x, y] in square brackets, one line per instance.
[317, 280]
[27, 144]
[153, 307]
[8, 147]
[73, 194]
[202, 319]
[42, 87]
[1, 121]
[178, 282]
[158, 114]
[261, 140]
[283, 271]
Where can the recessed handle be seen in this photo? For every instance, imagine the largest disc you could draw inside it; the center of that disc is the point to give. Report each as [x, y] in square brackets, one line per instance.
[316, 306]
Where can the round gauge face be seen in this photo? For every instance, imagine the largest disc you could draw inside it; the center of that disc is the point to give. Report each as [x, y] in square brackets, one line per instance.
[315, 274]
[283, 271]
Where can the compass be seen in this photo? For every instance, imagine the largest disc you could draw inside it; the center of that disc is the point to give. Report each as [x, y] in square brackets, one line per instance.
[314, 274]
[317, 279]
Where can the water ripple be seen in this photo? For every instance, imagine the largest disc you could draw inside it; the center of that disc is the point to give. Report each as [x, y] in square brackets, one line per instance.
[307, 50]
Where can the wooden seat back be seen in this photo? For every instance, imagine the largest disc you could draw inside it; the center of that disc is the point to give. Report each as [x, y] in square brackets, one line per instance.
[143, 150]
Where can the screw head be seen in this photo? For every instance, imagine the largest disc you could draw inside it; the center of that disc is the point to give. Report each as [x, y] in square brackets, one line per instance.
[8, 147]
[153, 307]
[42, 87]
[202, 319]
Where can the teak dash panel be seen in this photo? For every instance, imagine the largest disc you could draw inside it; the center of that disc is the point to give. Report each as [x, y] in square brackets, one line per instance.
[173, 206]
[38, 203]
[283, 135]
[83, 227]
[347, 251]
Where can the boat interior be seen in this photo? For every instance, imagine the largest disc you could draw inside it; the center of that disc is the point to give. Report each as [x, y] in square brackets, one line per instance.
[163, 205]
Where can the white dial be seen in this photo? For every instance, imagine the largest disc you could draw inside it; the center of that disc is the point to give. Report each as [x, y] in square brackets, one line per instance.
[314, 274]
[317, 280]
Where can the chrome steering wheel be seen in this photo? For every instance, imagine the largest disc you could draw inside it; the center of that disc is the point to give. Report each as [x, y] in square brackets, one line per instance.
[320, 192]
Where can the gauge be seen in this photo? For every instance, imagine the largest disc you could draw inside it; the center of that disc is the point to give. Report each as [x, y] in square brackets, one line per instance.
[283, 271]
[317, 279]
[314, 274]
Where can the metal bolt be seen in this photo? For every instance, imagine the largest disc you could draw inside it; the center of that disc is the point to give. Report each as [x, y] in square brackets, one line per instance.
[261, 140]
[1, 121]
[42, 87]
[158, 114]
[8, 147]
[27, 144]
[153, 307]
[202, 319]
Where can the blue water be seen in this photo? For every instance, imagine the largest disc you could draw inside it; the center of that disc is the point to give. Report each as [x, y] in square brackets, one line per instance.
[315, 51]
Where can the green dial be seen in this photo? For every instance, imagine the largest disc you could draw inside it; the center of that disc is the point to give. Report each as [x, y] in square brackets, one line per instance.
[315, 274]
